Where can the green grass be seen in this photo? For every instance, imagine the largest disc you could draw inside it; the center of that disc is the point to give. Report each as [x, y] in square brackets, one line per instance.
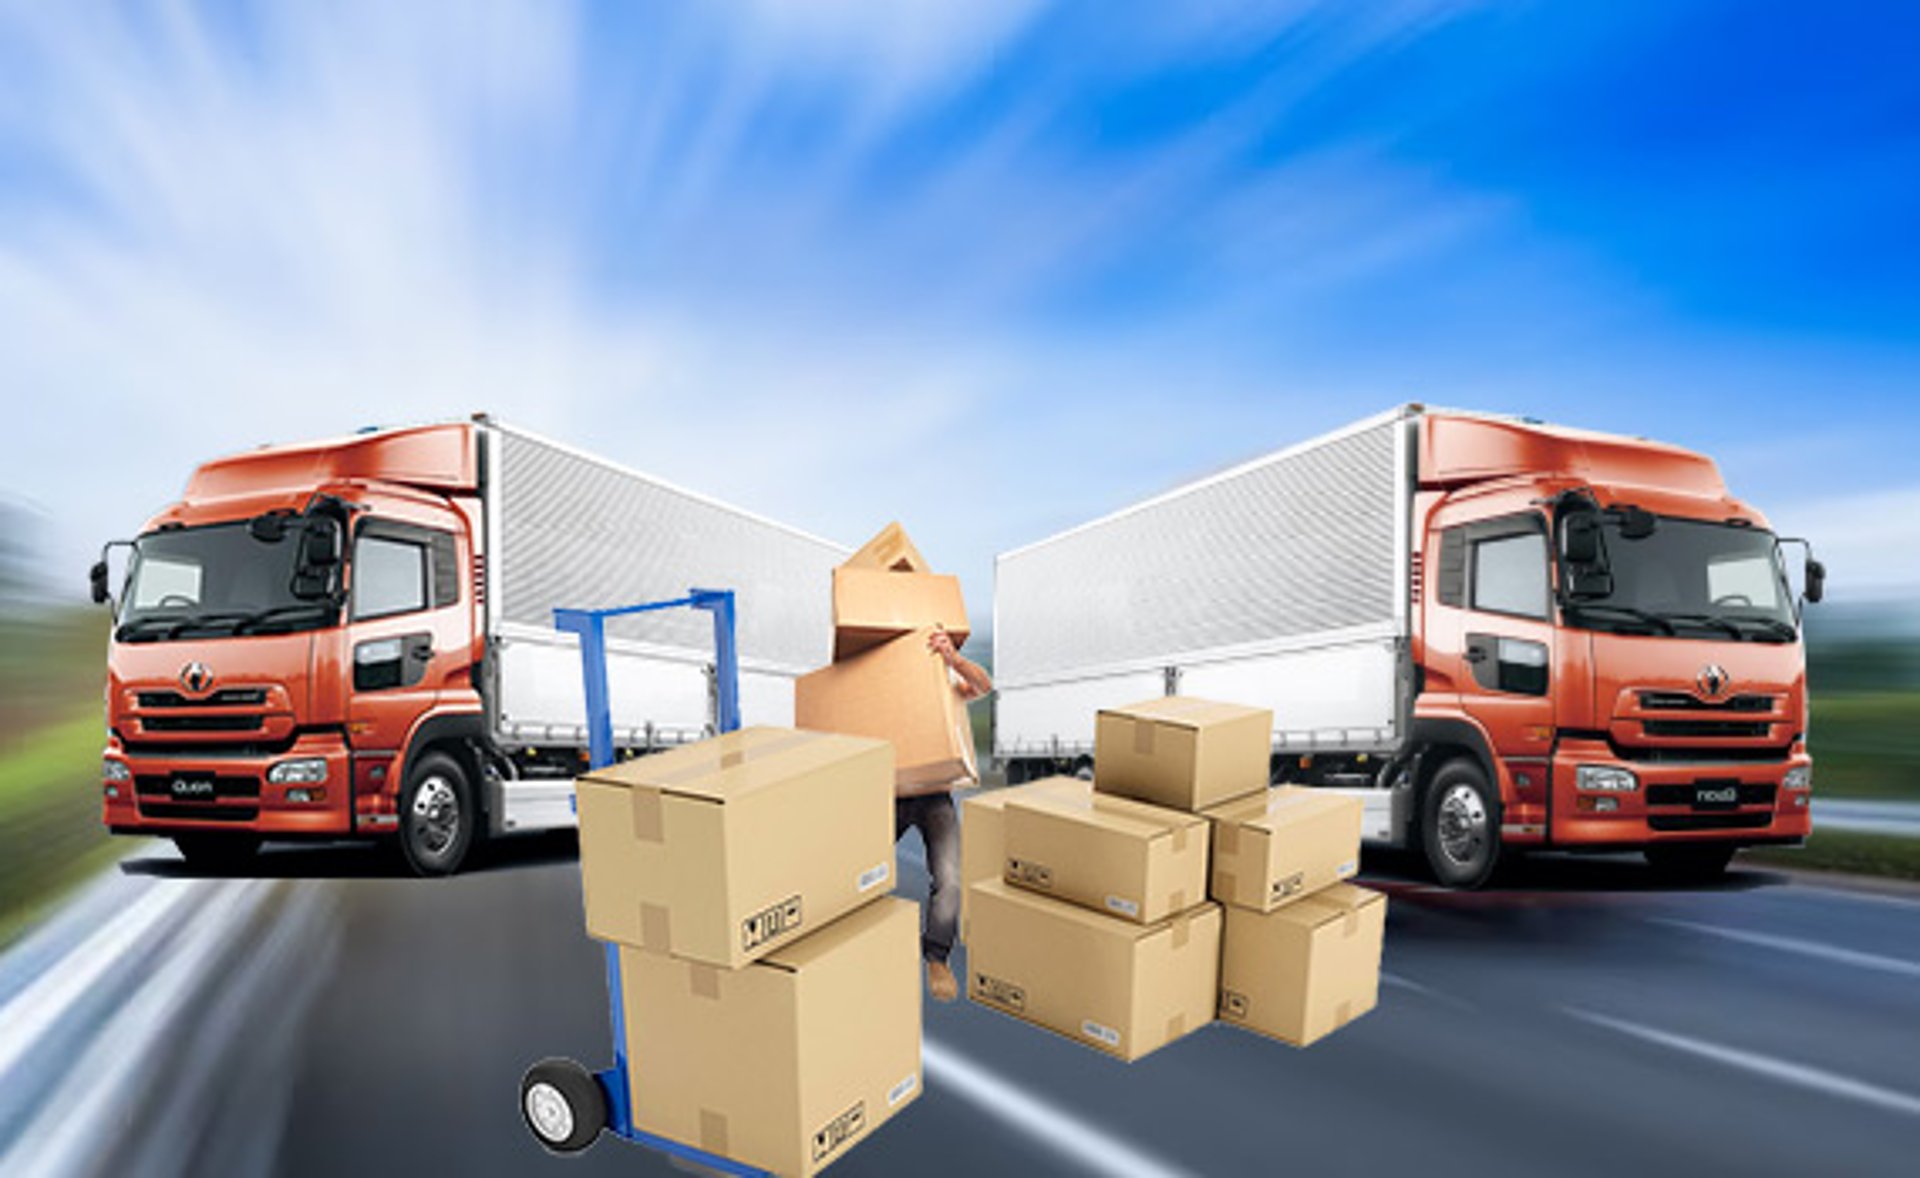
[1887, 856]
[1866, 745]
[51, 837]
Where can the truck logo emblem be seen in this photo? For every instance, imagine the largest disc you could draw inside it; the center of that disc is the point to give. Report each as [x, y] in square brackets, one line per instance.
[1713, 680]
[196, 677]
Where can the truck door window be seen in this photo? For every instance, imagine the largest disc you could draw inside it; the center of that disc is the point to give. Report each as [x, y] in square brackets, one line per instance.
[389, 577]
[1510, 574]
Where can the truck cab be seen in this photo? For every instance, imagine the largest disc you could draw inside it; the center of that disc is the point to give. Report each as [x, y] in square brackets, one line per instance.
[1609, 653]
[293, 653]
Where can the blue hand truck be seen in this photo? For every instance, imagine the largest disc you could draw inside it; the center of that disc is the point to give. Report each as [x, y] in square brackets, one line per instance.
[565, 1106]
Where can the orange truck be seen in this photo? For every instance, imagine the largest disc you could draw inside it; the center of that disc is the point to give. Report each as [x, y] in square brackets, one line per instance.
[354, 638]
[1500, 635]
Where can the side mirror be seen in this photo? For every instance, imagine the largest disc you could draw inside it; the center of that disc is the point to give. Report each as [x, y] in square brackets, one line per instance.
[1588, 582]
[319, 569]
[1580, 538]
[97, 583]
[1637, 523]
[1816, 580]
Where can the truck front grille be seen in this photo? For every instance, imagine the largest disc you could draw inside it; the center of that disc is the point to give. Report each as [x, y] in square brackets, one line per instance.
[1708, 729]
[245, 722]
[1680, 701]
[183, 812]
[1708, 821]
[226, 697]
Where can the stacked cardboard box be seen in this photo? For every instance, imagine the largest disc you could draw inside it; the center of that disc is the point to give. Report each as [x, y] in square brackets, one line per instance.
[885, 682]
[1095, 927]
[770, 984]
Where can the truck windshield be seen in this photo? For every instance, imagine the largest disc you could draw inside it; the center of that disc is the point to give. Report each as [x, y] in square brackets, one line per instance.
[1692, 578]
[214, 580]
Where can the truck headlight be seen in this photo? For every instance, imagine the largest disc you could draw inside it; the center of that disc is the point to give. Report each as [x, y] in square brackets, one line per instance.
[1606, 779]
[113, 770]
[1798, 777]
[302, 771]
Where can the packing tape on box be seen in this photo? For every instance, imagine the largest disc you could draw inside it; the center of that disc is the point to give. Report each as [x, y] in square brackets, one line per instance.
[1176, 1027]
[1343, 1014]
[713, 1132]
[656, 928]
[1351, 926]
[1178, 901]
[704, 980]
[1225, 886]
[1226, 838]
[1143, 738]
[1182, 932]
[717, 761]
[1179, 839]
[649, 816]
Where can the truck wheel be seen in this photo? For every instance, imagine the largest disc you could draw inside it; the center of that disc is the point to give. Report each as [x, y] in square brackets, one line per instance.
[1016, 772]
[1693, 862]
[563, 1105]
[438, 816]
[1460, 825]
[217, 853]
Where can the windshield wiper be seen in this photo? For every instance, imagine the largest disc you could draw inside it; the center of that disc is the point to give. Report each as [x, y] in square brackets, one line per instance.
[1712, 621]
[130, 631]
[1650, 620]
[279, 613]
[226, 617]
[1774, 626]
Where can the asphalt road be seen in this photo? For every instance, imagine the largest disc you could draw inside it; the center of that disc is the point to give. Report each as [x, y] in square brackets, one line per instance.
[340, 1020]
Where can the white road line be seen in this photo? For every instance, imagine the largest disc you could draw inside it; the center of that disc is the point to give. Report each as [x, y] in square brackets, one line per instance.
[41, 1004]
[1834, 953]
[1051, 1125]
[1786, 1071]
[1424, 990]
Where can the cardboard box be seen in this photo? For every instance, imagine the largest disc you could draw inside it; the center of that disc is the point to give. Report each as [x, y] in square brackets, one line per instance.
[1181, 752]
[983, 845]
[898, 691]
[1303, 971]
[1273, 848]
[1113, 985]
[788, 1063]
[872, 606]
[891, 550]
[724, 850]
[1125, 858]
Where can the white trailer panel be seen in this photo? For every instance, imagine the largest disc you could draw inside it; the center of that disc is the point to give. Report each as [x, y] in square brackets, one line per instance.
[1281, 583]
[567, 529]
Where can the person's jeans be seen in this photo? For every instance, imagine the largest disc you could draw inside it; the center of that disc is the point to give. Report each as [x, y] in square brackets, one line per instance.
[937, 820]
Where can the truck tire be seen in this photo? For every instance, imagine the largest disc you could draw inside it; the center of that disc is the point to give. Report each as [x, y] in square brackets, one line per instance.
[1690, 862]
[219, 854]
[562, 1105]
[1460, 825]
[439, 817]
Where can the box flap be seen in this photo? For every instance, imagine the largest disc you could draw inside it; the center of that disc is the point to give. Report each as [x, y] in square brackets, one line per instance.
[1111, 925]
[734, 764]
[796, 956]
[1278, 806]
[889, 549]
[1181, 710]
[1328, 905]
[1107, 811]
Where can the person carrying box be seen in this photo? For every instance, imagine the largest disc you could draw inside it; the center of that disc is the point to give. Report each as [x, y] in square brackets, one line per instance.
[938, 822]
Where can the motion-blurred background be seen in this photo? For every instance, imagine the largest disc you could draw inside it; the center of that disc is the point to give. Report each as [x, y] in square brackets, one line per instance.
[989, 268]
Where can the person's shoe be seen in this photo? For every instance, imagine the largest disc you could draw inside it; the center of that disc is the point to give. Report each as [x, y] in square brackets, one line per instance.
[941, 983]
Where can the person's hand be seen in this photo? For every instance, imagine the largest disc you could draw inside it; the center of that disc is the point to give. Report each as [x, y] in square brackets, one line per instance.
[941, 643]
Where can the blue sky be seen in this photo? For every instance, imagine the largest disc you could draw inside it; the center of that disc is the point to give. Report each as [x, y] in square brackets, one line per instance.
[990, 268]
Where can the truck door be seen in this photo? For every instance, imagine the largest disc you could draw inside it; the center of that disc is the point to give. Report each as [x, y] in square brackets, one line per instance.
[1496, 572]
[406, 635]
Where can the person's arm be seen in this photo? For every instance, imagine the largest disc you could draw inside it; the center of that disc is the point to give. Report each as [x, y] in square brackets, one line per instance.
[975, 682]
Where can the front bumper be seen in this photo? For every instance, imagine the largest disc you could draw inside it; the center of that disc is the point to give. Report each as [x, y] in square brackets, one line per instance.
[180, 791]
[1703, 802]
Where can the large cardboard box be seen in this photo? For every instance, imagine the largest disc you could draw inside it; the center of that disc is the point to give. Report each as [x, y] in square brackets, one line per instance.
[1182, 752]
[983, 843]
[726, 849]
[873, 605]
[899, 691]
[1303, 971]
[889, 549]
[1129, 859]
[1274, 847]
[1118, 987]
[788, 1063]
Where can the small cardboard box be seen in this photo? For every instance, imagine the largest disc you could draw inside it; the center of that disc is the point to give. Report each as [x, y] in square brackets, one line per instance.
[891, 550]
[983, 844]
[899, 691]
[1303, 971]
[871, 606]
[1128, 859]
[1273, 848]
[1181, 752]
[723, 850]
[788, 1063]
[1113, 985]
